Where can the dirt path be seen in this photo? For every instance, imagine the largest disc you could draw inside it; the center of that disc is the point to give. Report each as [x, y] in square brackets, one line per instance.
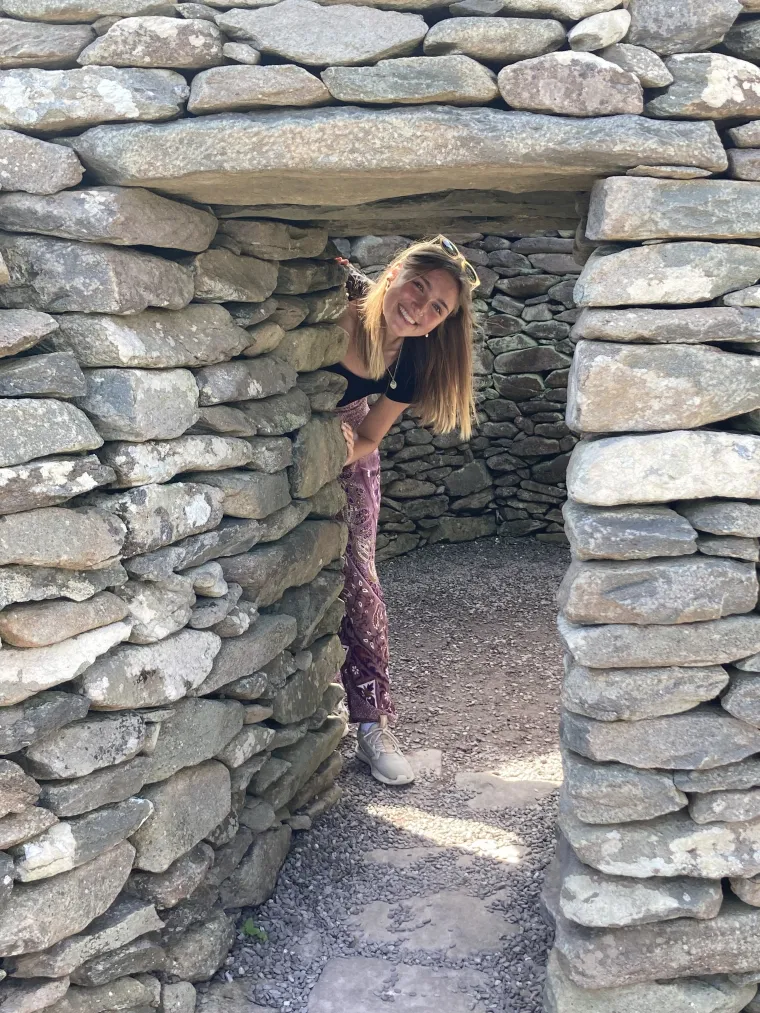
[426, 897]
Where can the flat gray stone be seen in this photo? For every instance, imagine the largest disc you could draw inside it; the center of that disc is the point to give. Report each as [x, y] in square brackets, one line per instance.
[252, 494]
[660, 591]
[138, 405]
[497, 40]
[456, 80]
[729, 545]
[569, 84]
[78, 749]
[38, 915]
[742, 699]
[64, 276]
[566, 10]
[18, 791]
[19, 827]
[158, 461]
[630, 694]
[693, 325]
[744, 297]
[301, 695]
[187, 806]
[668, 28]
[661, 467]
[157, 608]
[722, 944]
[272, 240]
[184, 875]
[725, 806]
[109, 214]
[239, 88]
[199, 953]
[676, 387]
[156, 42]
[242, 656]
[101, 787]
[40, 625]
[196, 336]
[51, 101]
[37, 428]
[29, 996]
[310, 348]
[67, 845]
[635, 532]
[229, 537]
[319, 453]
[497, 793]
[22, 329]
[79, 10]
[133, 958]
[256, 378]
[616, 793]
[665, 273]
[196, 731]
[591, 899]
[723, 517]
[364, 983]
[157, 515]
[278, 414]
[223, 276]
[708, 86]
[150, 675]
[56, 374]
[271, 157]
[306, 33]
[745, 136]
[254, 880]
[35, 166]
[685, 995]
[36, 583]
[304, 757]
[698, 739]
[50, 481]
[49, 46]
[629, 209]
[308, 604]
[604, 29]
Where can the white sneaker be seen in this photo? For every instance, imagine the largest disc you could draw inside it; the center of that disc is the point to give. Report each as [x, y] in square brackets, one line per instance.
[380, 748]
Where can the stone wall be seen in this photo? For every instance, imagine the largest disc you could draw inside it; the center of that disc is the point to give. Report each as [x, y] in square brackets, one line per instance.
[510, 477]
[169, 574]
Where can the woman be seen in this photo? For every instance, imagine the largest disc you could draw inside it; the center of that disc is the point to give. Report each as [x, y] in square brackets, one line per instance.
[410, 340]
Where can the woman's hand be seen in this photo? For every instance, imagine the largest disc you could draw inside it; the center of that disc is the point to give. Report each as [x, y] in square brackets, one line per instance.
[350, 437]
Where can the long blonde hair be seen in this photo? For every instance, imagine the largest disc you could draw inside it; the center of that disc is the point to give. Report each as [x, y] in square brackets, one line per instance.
[443, 360]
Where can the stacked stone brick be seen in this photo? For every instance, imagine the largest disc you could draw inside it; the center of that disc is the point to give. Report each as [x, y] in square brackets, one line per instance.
[510, 477]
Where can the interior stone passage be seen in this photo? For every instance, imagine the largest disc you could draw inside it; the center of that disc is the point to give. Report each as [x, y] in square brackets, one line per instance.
[174, 179]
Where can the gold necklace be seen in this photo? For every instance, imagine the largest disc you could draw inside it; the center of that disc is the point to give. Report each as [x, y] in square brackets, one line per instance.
[392, 375]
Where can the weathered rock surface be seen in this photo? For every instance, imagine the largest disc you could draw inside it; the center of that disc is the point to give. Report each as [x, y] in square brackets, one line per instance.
[723, 517]
[635, 532]
[28, 996]
[157, 515]
[742, 698]
[228, 538]
[36, 583]
[35, 166]
[56, 374]
[109, 214]
[22, 329]
[302, 693]
[271, 240]
[660, 591]
[50, 481]
[27, 671]
[310, 348]
[145, 463]
[254, 879]
[316, 36]
[35, 428]
[696, 740]
[101, 787]
[659, 326]
[732, 777]
[666, 273]
[156, 42]
[252, 494]
[680, 28]
[59, 275]
[223, 276]
[19, 827]
[498, 40]
[725, 806]
[629, 694]
[244, 655]
[662, 467]
[157, 608]
[599, 30]
[718, 945]
[73, 539]
[196, 731]
[40, 625]
[196, 336]
[638, 60]
[614, 793]
[43, 713]
[199, 953]
[97, 741]
[457, 80]
[49, 46]
[151, 675]
[318, 456]
[729, 545]
[18, 791]
[256, 378]
[58, 100]
[708, 86]
[135, 404]
[570, 84]
[239, 88]
[184, 875]
[271, 157]
[78, 10]
[38, 915]
[187, 806]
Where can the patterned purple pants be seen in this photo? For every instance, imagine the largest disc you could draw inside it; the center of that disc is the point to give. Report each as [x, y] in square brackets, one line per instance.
[364, 631]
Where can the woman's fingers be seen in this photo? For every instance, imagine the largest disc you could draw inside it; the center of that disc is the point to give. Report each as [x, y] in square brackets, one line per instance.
[348, 435]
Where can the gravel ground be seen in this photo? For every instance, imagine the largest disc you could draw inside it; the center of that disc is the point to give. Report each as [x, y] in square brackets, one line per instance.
[477, 668]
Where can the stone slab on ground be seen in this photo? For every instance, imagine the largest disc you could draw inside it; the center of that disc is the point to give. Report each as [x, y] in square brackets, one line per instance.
[495, 792]
[368, 984]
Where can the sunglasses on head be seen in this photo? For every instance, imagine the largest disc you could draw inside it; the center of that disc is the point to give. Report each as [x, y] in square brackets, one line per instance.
[451, 249]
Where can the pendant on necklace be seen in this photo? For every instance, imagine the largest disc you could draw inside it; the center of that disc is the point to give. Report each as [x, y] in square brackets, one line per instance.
[393, 385]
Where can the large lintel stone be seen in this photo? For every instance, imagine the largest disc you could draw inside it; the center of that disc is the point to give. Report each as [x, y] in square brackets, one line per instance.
[348, 155]
[690, 326]
[76, 11]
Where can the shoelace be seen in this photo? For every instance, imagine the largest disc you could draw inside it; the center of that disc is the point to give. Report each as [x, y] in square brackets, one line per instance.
[381, 739]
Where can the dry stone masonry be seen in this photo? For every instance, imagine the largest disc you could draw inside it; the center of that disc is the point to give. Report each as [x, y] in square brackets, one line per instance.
[172, 175]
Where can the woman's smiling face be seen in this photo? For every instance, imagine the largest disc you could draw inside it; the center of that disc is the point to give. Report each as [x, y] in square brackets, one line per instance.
[415, 304]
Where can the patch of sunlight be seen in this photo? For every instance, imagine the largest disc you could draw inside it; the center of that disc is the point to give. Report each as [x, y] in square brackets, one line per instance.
[538, 767]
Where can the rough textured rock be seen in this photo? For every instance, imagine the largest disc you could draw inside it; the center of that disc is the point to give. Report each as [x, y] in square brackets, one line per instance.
[195, 336]
[708, 86]
[318, 456]
[614, 793]
[457, 80]
[59, 275]
[145, 463]
[230, 536]
[666, 273]
[97, 741]
[256, 378]
[306, 33]
[187, 806]
[156, 42]
[254, 879]
[40, 625]
[743, 696]
[723, 517]
[271, 157]
[271, 240]
[668, 28]
[696, 740]
[725, 806]
[733, 777]
[570, 84]
[184, 875]
[157, 608]
[629, 694]
[35, 428]
[109, 214]
[22, 329]
[646, 65]
[239, 88]
[196, 731]
[101, 787]
[36, 583]
[73, 539]
[302, 693]
[498, 40]
[252, 494]
[310, 348]
[134, 404]
[658, 326]
[150, 675]
[23, 724]
[35, 166]
[599, 30]
[635, 532]
[657, 591]
[244, 655]
[56, 374]
[222, 276]
[78, 10]
[20, 827]
[59, 100]
[18, 791]
[49, 46]
[199, 953]
[28, 996]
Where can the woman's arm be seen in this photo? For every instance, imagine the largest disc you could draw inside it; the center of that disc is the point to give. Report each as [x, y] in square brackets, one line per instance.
[379, 420]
